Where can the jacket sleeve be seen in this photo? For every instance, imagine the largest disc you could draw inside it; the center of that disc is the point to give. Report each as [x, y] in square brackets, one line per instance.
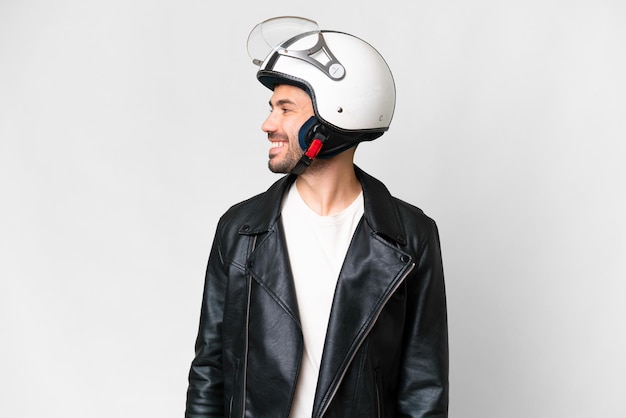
[423, 384]
[205, 396]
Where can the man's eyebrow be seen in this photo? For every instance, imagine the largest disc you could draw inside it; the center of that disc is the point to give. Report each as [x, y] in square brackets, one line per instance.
[281, 102]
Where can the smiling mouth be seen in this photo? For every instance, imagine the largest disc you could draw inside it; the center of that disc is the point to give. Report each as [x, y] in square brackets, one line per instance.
[278, 144]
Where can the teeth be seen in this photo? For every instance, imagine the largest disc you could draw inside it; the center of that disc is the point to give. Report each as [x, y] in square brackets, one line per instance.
[277, 144]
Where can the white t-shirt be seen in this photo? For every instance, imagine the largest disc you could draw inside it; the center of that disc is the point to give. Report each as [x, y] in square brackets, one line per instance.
[317, 247]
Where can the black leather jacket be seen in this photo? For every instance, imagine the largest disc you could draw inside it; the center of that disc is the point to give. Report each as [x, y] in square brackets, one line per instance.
[386, 350]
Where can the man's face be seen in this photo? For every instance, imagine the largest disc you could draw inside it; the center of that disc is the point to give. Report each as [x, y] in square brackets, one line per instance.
[290, 107]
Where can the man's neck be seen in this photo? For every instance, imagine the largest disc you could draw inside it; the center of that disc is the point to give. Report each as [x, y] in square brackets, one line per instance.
[330, 186]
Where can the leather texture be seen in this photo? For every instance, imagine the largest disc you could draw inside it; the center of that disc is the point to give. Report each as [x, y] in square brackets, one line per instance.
[386, 349]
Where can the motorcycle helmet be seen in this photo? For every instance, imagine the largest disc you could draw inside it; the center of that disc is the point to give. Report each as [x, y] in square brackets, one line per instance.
[349, 82]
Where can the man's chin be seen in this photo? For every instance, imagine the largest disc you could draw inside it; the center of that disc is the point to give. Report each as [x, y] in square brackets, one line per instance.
[279, 168]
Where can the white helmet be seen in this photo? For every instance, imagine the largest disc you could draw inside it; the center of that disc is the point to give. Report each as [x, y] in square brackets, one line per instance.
[350, 84]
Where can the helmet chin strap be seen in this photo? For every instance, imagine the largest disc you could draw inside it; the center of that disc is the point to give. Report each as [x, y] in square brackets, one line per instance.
[314, 134]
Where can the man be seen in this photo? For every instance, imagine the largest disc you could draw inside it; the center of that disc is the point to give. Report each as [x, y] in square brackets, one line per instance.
[324, 296]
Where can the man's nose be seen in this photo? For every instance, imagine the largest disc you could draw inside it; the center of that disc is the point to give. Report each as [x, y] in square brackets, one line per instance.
[269, 125]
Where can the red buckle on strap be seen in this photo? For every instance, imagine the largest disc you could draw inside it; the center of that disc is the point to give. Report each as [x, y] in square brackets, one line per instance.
[314, 148]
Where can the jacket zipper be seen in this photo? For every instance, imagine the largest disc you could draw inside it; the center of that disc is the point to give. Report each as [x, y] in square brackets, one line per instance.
[382, 306]
[245, 359]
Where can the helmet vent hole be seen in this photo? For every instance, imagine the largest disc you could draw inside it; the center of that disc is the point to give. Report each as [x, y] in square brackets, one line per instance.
[340, 110]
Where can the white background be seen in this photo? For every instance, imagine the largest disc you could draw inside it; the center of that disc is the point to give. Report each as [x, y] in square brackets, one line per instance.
[128, 127]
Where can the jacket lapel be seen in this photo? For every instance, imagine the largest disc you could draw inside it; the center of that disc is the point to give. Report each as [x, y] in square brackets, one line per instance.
[372, 271]
[269, 266]
[269, 262]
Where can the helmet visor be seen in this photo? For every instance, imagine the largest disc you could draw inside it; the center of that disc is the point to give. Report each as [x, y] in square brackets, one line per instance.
[271, 33]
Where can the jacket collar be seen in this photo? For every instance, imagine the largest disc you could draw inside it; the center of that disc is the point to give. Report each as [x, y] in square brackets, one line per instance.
[380, 208]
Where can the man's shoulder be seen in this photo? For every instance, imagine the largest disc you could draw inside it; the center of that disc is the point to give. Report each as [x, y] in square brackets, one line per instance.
[380, 193]
[409, 208]
[392, 216]
[409, 212]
